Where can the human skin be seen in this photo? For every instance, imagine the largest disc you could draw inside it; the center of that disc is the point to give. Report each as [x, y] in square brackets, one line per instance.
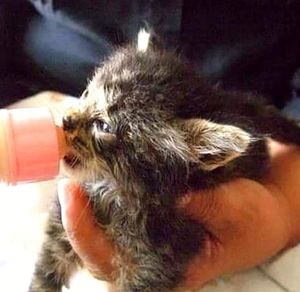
[249, 222]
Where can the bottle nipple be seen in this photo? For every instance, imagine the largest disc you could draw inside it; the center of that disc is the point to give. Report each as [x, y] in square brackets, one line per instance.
[31, 145]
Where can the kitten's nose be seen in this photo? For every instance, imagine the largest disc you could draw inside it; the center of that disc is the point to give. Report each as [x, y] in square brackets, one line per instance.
[69, 124]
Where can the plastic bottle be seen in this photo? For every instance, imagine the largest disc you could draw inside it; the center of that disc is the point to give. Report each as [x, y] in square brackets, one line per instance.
[31, 145]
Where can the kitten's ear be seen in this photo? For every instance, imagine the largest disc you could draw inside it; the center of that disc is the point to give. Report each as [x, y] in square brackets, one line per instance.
[215, 144]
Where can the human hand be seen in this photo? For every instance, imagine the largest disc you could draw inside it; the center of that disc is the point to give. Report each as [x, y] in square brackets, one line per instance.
[86, 237]
[249, 222]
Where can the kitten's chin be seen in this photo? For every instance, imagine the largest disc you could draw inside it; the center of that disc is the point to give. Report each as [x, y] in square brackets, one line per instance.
[77, 173]
[72, 166]
[72, 161]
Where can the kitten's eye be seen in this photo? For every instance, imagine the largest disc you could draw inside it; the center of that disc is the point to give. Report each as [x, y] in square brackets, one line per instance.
[100, 125]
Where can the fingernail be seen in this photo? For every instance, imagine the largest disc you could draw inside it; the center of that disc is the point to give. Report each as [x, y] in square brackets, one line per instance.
[63, 197]
[62, 194]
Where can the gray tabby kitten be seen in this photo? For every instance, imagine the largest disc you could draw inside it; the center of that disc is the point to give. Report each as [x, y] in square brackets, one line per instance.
[149, 129]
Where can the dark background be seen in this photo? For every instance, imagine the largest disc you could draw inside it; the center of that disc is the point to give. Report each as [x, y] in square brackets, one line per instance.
[241, 44]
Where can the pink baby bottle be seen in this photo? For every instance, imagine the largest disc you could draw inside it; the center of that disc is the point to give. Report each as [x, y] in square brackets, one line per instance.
[31, 145]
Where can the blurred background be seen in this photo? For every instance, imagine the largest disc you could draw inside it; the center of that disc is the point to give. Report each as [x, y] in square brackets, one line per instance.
[242, 44]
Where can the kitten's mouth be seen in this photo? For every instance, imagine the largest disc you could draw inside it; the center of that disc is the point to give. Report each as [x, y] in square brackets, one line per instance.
[72, 161]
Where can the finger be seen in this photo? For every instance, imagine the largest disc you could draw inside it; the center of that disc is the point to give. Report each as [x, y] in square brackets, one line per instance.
[86, 237]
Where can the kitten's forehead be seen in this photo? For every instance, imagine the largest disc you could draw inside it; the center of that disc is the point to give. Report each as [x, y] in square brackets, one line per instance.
[98, 96]
[132, 80]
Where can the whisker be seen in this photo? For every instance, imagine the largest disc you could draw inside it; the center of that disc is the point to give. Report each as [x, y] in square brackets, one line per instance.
[75, 159]
[82, 211]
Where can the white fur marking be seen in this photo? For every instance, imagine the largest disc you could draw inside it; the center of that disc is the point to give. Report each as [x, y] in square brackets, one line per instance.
[143, 40]
[97, 94]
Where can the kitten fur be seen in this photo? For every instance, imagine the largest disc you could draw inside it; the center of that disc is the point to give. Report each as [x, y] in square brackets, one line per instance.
[149, 129]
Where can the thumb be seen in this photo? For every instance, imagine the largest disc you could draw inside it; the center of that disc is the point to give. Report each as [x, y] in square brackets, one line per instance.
[85, 235]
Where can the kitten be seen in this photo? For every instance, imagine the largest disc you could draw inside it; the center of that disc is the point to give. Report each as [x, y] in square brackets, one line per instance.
[147, 130]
